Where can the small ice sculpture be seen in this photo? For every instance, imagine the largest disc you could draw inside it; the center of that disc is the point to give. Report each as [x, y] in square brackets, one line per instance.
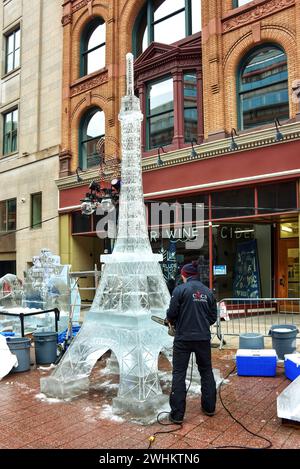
[11, 291]
[288, 402]
[47, 285]
[132, 288]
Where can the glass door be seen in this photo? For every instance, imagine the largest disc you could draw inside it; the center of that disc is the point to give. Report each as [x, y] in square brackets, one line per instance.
[293, 273]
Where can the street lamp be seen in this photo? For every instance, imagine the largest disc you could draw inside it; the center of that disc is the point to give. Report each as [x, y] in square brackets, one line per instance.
[105, 198]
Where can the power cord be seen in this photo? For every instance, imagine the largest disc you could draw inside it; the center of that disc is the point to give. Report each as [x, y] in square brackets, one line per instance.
[240, 423]
[152, 438]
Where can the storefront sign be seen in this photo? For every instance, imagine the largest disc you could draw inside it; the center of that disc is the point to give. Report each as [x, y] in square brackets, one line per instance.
[234, 232]
[220, 269]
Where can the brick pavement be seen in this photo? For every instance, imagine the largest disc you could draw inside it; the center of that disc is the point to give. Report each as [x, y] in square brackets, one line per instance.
[26, 421]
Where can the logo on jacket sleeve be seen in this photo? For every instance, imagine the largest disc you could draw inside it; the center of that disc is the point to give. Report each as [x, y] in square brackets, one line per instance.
[198, 296]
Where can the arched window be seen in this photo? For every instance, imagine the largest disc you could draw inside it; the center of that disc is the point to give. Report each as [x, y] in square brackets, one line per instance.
[92, 129]
[263, 87]
[93, 47]
[166, 21]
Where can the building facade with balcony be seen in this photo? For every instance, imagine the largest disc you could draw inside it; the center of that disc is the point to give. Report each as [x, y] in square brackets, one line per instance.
[30, 112]
[219, 88]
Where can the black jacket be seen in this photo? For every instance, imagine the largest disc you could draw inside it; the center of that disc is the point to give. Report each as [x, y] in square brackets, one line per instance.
[193, 309]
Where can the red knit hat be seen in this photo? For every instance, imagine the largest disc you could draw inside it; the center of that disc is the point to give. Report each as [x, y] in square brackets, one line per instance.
[190, 270]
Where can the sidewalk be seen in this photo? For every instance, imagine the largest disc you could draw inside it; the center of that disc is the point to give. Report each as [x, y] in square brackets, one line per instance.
[28, 421]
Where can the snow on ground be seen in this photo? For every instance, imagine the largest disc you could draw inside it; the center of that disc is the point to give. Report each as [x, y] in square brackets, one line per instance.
[51, 400]
[107, 413]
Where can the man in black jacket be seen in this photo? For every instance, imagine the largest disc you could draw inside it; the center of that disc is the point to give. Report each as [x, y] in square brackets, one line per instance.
[192, 311]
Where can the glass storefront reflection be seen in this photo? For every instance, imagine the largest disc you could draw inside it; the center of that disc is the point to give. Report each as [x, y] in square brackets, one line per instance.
[242, 260]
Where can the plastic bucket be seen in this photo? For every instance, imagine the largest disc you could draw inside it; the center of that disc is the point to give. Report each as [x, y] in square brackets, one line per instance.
[252, 341]
[284, 339]
[45, 347]
[20, 347]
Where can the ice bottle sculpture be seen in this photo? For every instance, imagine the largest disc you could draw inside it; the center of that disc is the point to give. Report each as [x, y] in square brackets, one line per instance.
[132, 288]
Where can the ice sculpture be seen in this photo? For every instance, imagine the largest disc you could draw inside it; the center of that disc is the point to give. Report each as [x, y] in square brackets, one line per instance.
[132, 288]
[288, 402]
[46, 285]
[11, 291]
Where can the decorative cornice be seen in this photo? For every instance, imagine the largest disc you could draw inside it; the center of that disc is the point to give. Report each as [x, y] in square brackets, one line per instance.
[207, 150]
[89, 83]
[255, 13]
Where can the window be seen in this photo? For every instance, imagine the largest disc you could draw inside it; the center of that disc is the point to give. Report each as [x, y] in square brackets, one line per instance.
[166, 22]
[8, 215]
[233, 203]
[190, 107]
[263, 87]
[277, 197]
[36, 211]
[160, 116]
[10, 132]
[239, 3]
[93, 47]
[92, 129]
[12, 55]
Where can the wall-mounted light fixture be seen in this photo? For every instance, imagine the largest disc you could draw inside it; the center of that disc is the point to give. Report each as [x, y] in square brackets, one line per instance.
[159, 160]
[233, 145]
[194, 154]
[278, 134]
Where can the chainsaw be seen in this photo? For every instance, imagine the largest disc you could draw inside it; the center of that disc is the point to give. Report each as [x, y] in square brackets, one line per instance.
[162, 322]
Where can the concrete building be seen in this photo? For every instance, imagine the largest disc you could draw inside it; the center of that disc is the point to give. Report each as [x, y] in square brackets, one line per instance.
[30, 107]
[216, 79]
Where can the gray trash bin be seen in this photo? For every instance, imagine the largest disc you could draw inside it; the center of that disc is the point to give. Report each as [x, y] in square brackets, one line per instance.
[251, 340]
[20, 347]
[283, 339]
[45, 347]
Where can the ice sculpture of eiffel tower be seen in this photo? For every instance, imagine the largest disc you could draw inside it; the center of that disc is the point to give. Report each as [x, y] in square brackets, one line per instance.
[132, 288]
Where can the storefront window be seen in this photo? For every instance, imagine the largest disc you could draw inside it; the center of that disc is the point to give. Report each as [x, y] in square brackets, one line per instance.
[289, 230]
[277, 198]
[233, 203]
[242, 260]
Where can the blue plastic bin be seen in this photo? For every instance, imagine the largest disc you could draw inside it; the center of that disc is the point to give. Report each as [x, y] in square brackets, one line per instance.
[20, 346]
[292, 366]
[62, 335]
[8, 334]
[256, 362]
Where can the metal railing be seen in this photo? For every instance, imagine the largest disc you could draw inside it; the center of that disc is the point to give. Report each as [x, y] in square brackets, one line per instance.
[239, 316]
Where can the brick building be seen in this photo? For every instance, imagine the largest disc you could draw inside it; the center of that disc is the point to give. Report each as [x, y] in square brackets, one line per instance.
[30, 99]
[218, 83]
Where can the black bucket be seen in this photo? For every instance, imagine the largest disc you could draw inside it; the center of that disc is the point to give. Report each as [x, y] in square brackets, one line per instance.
[20, 347]
[45, 347]
[284, 339]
